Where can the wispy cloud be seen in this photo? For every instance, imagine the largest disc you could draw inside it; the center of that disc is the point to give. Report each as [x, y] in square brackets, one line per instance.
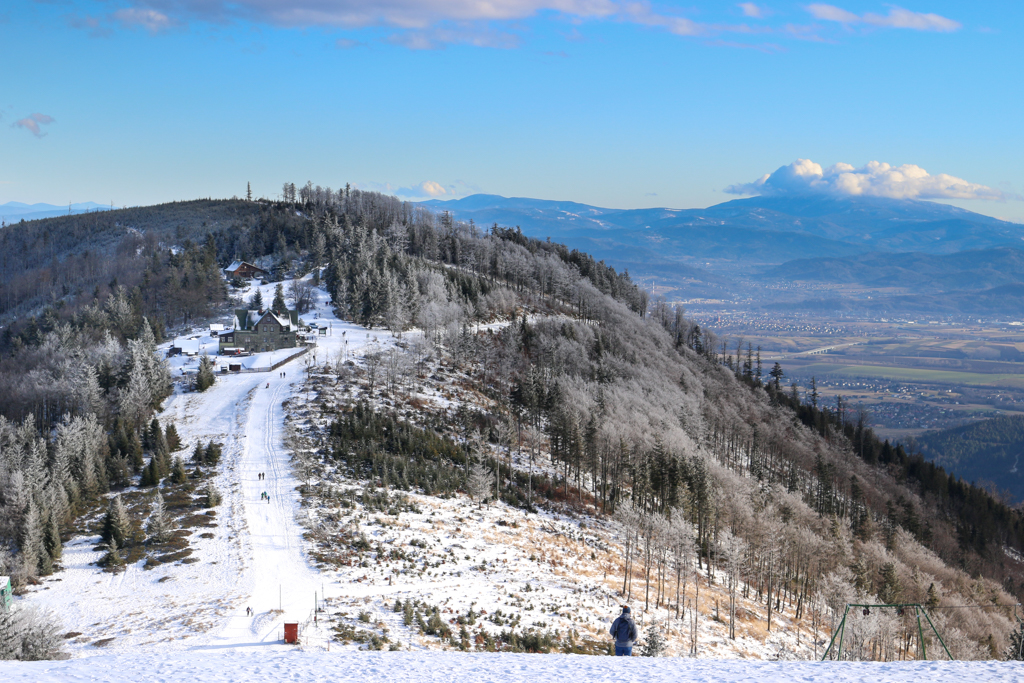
[33, 123]
[751, 10]
[347, 43]
[149, 19]
[896, 18]
[433, 24]
[875, 179]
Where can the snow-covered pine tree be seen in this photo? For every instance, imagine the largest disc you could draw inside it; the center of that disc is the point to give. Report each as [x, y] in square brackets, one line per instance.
[213, 497]
[34, 558]
[478, 484]
[256, 300]
[113, 557]
[654, 642]
[116, 525]
[158, 527]
[135, 397]
[51, 538]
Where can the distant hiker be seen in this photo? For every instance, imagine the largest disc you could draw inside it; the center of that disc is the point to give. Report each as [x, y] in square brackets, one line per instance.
[625, 633]
[268, 385]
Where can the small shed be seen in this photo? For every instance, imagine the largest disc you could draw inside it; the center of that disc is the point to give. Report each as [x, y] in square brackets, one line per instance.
[6, 593]
[291, 633]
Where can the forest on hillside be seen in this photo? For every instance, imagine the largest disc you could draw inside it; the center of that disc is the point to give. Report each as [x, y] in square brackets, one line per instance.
[705, 459]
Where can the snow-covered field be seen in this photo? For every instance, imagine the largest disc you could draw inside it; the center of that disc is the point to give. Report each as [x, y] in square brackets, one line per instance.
[444, 667]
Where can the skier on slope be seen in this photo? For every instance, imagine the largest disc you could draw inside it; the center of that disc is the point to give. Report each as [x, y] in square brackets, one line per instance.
[625, 633]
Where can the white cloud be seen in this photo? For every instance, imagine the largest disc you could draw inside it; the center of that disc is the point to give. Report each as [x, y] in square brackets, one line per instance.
[407, 14]
[897, 18]
[875, 179]
[33, 123]
[149, 19]
[751, 10]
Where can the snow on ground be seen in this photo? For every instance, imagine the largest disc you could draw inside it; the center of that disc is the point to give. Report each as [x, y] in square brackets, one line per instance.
[443, 667]
[189, 622]
[255, 558]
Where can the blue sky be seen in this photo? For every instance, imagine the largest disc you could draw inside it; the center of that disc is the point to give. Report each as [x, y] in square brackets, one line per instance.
[623, 104]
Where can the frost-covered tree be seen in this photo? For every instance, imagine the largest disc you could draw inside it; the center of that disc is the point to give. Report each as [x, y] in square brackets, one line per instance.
[117, 526]
[35, 560]
[158, 527]
[29, 634]
[213, 496]
[478, 484]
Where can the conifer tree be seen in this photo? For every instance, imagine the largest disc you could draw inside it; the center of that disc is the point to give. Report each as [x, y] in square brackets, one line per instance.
[116, 525]
[172, 438]
[205, 377]
[213, 497]
[158, 526]
[35, 559]
[51, 540]
[178, 473]
[151, 475]
[199, 454]
[256, 300]
[113, 556]
[933, 597]
[212, 454]
[279, 305]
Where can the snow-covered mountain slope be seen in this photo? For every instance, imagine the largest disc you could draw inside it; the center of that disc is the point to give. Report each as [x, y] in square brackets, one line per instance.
[255, 557]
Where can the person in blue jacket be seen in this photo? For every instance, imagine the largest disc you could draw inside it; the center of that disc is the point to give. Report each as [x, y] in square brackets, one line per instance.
[624, 631]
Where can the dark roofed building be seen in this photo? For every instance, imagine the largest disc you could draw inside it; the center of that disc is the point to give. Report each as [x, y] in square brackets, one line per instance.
[260, 331]
[244, 269]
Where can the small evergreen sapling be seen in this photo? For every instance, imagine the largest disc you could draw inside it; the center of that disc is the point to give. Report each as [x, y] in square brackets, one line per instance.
[213, 497]
[654, 643]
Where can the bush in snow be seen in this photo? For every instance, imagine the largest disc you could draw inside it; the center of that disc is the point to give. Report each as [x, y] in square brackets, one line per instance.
[29, 634]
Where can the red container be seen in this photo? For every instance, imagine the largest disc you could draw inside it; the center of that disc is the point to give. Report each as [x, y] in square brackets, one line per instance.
[291, 633]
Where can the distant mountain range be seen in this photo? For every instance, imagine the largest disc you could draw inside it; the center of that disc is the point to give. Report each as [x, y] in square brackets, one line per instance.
[735, 248]
[748, 230]
[11, 212]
